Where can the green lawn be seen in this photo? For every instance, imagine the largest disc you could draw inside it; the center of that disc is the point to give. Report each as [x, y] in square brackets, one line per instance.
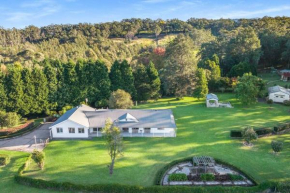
[273, 79]
[201, 131]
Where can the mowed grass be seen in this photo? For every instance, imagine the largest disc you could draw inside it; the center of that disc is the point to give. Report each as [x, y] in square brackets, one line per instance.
[7, 183]
[273, 79]
[201, 131]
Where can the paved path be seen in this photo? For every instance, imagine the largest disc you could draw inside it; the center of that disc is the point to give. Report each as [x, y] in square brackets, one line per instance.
[27, 142]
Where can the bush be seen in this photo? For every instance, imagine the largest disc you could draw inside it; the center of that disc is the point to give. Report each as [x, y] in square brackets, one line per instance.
[264, 131]
[270, 101]
[236, 133]
[120, 99]
[177, 177]
[25, 165]
[235, 177]
[207, 177]
[282, 127]
[286, 103]
[11, 119]
[277, 146]
[249, 134]
[38, 157]
[4, 159]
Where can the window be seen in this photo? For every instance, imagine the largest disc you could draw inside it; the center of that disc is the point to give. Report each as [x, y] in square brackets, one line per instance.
[160, 128]
[97, 129]
[81, 130]
[135, 130]
[147, 130]
[71, 130]
[59, 130]
[125, 130]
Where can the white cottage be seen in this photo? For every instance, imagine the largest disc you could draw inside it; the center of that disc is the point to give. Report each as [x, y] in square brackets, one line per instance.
[85, 122]
[278, 94]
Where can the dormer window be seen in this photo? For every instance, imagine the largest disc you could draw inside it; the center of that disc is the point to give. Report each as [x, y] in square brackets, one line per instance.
[127, 118]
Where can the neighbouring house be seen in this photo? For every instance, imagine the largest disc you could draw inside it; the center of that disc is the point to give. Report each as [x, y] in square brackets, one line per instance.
[285, 75]
[212, 100]
[279, 94]
[86, 122]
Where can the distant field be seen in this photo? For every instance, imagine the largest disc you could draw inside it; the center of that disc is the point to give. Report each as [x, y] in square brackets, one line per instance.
[201, 131]
[273, 79]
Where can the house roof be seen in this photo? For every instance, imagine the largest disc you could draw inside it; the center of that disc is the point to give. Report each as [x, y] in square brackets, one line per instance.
[90, 117]
[76, 115]
[275, 89]
[211, 97]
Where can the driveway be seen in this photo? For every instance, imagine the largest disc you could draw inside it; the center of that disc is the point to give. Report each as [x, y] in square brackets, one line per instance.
[27, 142]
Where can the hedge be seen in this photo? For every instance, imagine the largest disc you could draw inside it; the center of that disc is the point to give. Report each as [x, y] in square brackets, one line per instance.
[235, 177]
[177, 177]
[264, 131]
[25, 165]
[4, 159]
[31, 127]
[118, 188]
[207, 177]
[236, 134]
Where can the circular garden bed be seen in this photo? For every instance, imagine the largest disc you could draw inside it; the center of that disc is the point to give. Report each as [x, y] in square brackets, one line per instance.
[204, 171]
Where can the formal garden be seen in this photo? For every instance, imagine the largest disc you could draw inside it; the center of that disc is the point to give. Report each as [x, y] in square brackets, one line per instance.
[201, 131]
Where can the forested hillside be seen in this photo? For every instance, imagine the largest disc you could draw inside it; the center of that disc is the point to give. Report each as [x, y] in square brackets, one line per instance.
[49, 68]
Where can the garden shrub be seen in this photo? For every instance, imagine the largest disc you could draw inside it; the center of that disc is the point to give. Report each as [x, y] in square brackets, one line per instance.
[286, 103]
[38, 157]
[270, 101]
[207, 177]
[249, 134]
[236, 133]
[277, 146]
[177, 177]
[25, 165]
[235, 177]
[4, 159]
[264, 131]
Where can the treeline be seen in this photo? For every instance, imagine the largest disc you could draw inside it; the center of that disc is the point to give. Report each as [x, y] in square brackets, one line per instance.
[91, 41]
[52, 85]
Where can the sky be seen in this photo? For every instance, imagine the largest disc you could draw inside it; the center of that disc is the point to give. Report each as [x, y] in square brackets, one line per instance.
[22, 13]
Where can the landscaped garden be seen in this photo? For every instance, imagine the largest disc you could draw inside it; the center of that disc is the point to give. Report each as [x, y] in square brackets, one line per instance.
[201, 131]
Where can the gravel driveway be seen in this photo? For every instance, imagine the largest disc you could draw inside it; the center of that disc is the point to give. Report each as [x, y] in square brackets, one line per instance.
[27, 142]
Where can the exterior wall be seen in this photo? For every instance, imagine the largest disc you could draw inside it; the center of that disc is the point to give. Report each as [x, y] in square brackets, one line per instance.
[65, 125]
[278, 99]
[215, 104]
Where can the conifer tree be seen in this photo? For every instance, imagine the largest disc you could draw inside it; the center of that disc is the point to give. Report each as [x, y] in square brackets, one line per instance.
[154, 81]
[3, 97]
[29, 92]
[201, 88]
[51, 76]
[142, 83]
[14, 89]
[116, 76]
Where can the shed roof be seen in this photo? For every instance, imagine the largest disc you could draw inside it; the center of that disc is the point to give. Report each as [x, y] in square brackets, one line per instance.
[275, 89]
[211, 97]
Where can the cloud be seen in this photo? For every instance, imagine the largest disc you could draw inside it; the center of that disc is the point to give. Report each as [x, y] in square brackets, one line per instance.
[18, 16]
[243, 14]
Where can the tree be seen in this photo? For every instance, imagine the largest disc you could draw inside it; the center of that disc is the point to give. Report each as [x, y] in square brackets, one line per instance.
[248, 88]
[240, 69]
[14, 89]
[121, 77]
[178, 74]
[11, 119]
[249, 135]
[154, 81]
[201, 88]
[2, 118]
[38, 158]
[29, 92]
[120, 99]
[52, 82]
[3, 96]
[114, 141]
[277, 146]
[142, 84]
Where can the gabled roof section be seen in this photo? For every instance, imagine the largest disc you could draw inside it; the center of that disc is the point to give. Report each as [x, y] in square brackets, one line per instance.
[77, 115]
[211, 97]
[127, 117]
[275, 89]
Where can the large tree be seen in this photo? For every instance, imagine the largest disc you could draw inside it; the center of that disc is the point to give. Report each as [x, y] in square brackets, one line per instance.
[3, 96]
[52, 84]
[142, 84]
[178, 74]
[114, 142]
[120, 99]
[248, 88]
[201, 88]
[29, 92]
[154, 81]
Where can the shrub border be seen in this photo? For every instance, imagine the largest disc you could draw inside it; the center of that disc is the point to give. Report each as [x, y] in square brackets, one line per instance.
[21, 132]
[6, 160]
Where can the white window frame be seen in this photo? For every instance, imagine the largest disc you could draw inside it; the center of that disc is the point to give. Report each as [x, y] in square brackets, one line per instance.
[59, 130]
[81, 129]
[70, 129]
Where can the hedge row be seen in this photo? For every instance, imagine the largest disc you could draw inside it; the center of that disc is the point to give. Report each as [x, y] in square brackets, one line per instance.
[30, 127]
[25, 165]
[262, 131]
[177, 177]
[118, 188]
[4, 159]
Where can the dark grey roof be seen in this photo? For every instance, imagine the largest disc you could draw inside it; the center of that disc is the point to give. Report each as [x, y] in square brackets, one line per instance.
[275, 89]
[90, 117]
[211, 97]
[145, 118]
